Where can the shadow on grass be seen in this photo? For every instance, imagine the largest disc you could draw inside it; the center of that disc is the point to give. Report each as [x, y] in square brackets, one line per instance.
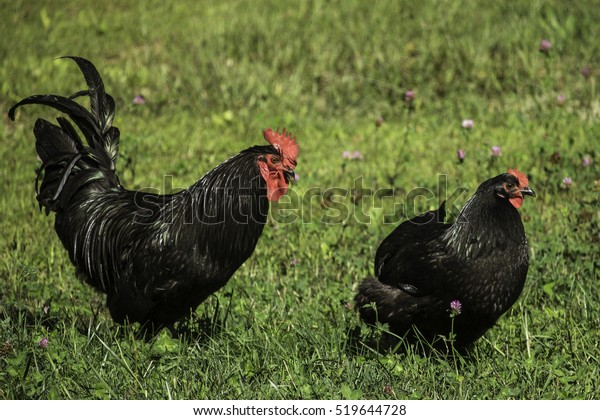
[195, 329]
[379, 340]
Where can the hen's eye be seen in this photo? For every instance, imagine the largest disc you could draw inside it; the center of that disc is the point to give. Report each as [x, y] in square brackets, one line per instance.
[510, 185]
[274, 160]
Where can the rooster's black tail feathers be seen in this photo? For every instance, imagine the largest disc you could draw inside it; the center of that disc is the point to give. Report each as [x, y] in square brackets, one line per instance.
[67, 164]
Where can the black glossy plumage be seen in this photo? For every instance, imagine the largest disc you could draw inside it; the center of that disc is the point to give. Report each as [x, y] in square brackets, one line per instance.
[480, 260]
[155, 256]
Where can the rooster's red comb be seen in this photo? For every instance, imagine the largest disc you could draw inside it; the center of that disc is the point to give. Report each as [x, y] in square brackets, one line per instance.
[285, 144]
[521, 177]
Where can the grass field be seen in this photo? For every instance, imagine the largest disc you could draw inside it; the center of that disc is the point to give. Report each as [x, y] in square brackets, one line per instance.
[213, 75]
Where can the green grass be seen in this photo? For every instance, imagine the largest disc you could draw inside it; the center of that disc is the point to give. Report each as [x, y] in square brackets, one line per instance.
[214, 74]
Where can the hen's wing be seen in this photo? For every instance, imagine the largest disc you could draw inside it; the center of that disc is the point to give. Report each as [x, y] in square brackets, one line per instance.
[405, 259]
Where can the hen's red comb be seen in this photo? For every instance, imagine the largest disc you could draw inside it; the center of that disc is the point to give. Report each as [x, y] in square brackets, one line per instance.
[521, 177]
[285, 144]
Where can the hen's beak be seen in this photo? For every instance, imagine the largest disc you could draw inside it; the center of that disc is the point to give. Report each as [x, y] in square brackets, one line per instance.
[527, 191]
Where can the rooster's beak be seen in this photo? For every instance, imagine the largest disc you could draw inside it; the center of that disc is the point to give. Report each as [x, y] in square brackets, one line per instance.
[527, 191]
[289, 175]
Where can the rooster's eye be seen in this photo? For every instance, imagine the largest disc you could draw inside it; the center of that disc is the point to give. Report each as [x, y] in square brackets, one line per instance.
[274, 160]
[510, 185]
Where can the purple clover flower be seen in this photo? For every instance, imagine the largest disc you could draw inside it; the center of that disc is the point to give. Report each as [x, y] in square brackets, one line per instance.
[586, 161]
[294, 262]
[496, 151]
[468, 124]
[455, 307]
[560, 100]
[545, 45]
[296, 177]
[567, 182]
[586, 72]
[409, 96]
[43, 343]
[139, 100]
[355, 155]
[460, 154]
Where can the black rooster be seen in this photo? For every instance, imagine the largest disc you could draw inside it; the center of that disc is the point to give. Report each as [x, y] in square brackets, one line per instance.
[473, 269]
[157, 257]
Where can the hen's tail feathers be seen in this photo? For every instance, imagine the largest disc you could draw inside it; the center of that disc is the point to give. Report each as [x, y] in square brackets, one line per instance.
[68, 164]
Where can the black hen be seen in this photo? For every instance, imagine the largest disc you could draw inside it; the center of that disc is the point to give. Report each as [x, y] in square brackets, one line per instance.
[157, 257]
[427, 270]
